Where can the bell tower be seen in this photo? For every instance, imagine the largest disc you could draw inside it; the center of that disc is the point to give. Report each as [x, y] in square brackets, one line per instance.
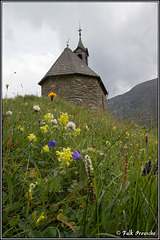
[81, 51]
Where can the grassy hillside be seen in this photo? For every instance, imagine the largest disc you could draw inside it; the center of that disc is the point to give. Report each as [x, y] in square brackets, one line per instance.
[83, 180]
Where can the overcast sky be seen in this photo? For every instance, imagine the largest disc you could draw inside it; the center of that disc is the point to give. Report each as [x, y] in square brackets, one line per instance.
[121, 37]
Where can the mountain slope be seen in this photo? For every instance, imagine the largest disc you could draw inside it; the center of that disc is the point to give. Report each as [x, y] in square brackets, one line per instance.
[131, 104]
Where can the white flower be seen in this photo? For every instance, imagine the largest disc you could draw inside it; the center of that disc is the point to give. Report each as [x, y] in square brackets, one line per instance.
[36, 108]
[54, 121]
[71, 125]
[88, 163]
[9, 113]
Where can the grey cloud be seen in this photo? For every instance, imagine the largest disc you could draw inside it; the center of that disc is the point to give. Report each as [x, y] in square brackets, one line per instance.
[121, 37]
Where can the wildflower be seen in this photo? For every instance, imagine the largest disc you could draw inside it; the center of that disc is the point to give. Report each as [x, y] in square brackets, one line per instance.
[51, 95]
[127, 134]
[114, 128]
[65, 157]
[101, 164]
[108, 143]
[48, 117]
[88, 163]
[76, 132]
[76, 155]
[26, 104]
[31, 186]
[39, 122]
[63, 118]
[45, 148]
[9, 113]
[54, 121]
[32, 137]
[21, 128]
[40, 218]
[56, 127]
[44, 129]
[86, 127]
[147, 168]
[29, 195]
[52, 143]
[36, 108]
[71, 125]
[7, 85]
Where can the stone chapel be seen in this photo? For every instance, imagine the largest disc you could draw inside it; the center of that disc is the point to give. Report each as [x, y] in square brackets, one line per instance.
[71, 78]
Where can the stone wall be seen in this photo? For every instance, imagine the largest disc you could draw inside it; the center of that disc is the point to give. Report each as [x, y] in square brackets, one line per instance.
[78, 89]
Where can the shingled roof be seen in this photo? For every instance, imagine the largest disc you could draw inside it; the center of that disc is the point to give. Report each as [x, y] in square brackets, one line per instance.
[69, 63]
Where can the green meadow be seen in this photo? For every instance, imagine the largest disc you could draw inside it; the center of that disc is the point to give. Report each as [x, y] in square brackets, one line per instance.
[68, 172]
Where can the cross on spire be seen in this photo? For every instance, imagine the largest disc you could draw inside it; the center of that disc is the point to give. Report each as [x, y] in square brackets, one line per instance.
[80, 30]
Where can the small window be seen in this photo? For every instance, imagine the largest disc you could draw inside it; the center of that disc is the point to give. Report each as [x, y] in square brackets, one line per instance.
[80, 56]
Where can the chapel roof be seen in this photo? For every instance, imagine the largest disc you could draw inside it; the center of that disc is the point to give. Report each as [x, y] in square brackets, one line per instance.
[69, 63]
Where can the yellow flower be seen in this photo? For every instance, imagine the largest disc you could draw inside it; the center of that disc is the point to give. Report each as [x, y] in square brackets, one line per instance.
[48, 117]
[51, 95]
[26, 104]
[21, 128]
[65, 157]
[127, 134]
[86, 128]
[108, 143]
[40, 218]
[114, 128]
[44, 129]
[46, 148]
[32, 137]
[76, 132]
[63, 118]
[29, 195]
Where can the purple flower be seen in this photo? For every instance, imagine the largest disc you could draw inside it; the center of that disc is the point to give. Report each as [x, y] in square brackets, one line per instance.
[52, 143]
[76, 155]
[147, 168]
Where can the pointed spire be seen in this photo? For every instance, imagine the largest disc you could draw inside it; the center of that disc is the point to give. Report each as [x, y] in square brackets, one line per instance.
[81, 51]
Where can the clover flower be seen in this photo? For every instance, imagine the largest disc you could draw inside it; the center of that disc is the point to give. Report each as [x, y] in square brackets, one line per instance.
[63, 118]
[52, 143]
[71, 125]
[147, 168]
[9, 113]
[36, 108]
[76, 155]
[54, 121]
[65, 157]
[32, 137]
[45, 148]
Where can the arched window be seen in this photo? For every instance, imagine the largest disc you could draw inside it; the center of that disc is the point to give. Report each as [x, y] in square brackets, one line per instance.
[80, 56]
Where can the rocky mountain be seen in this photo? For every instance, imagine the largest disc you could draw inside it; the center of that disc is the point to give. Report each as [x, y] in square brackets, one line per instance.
[128, 106]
